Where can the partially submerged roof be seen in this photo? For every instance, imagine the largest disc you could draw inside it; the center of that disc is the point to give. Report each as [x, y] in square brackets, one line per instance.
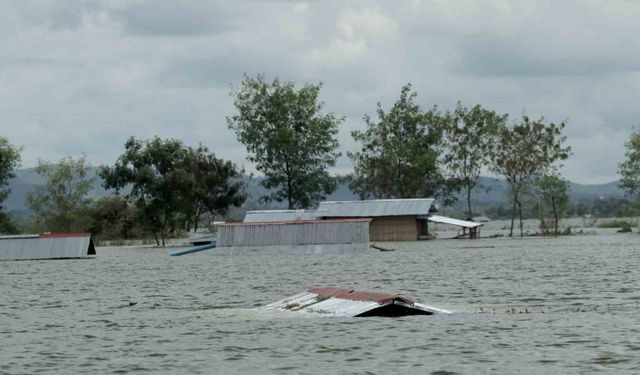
[376, 207]
[280, 215]
[46, 246]
[350, 303]
[451, 221]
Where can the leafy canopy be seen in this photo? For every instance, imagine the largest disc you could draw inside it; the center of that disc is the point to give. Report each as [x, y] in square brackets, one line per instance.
[524, 151]
[9, 161]
[399, 154]
[471, 136]
[214, 184]
[288, 138]
[60, 204]
[629, 169]
[169, 182]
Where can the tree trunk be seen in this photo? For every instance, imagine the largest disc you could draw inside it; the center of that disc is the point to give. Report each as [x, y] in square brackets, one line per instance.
[196, 219]
[520, 216]
[289, 191]
[469, 202]
[155, 236]
[513, 216]
[555, 215]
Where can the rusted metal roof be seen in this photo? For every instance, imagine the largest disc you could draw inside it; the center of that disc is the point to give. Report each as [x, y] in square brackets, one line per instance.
[456, 222]
[280, 215]
[46, 246]
[350, 303]
[376, 207]
[306, 237]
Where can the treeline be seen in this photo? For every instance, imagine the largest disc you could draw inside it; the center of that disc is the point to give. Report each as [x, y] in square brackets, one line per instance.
[598, 207]
[162, 186]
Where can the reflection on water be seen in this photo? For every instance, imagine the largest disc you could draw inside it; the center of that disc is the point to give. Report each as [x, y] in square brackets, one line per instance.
[529, 306]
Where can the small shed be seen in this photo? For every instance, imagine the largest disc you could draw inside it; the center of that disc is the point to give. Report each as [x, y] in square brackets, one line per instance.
[46, 246]
[392, 219]
[340, 302]
[294, 237]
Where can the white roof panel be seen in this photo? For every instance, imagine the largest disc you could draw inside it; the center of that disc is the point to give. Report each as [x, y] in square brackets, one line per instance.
[315, 301]
[456, 222]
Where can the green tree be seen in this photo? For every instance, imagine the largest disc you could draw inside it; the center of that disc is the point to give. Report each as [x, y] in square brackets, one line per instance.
[112, 217]
[399, 154]
[288, 138]
[471, 137]
[9, 161]
[523, 151]
[629, 169]
[214, 185]
[155, 172]
[170, 183]
[554, 198]
[61, 203]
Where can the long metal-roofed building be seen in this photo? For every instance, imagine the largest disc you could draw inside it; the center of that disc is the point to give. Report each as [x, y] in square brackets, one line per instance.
[46, 246]
[294, 237]
[392, 219]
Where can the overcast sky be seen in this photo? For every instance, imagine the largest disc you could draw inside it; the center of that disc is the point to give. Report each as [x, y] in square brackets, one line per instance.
[80, 77]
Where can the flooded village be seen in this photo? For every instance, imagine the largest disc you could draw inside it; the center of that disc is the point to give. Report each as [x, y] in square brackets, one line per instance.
[277, 187]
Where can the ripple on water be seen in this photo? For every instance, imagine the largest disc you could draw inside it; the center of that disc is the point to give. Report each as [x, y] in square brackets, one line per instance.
[567, 305]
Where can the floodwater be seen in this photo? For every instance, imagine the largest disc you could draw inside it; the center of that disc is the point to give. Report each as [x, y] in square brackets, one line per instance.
[527, 306]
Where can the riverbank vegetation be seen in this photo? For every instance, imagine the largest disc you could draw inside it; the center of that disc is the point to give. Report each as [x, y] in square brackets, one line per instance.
[163, 188]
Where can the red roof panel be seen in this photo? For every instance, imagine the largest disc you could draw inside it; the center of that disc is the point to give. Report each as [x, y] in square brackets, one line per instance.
[354, 295]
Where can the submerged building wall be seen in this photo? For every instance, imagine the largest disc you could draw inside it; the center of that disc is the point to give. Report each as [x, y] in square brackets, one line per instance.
[394, 228]
[326, 236]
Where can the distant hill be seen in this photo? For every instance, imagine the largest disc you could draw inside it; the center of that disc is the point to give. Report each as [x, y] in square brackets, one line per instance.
[492, 192]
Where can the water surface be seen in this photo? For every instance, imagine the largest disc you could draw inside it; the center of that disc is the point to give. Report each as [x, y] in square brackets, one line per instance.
[526, 306]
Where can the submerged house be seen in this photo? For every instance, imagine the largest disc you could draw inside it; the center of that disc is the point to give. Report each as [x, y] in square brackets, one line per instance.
[387, 219]
[339, 302]
[46, 246]
[391, 219]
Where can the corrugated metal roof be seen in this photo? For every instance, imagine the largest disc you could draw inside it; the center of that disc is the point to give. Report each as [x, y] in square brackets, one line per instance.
[456, 222]
[349, 303]
[280, 215]
[46, 246]
[331, 236]
[376, 208]
[310, 249]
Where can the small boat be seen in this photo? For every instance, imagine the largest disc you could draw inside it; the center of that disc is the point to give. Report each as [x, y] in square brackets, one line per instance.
[351, 303]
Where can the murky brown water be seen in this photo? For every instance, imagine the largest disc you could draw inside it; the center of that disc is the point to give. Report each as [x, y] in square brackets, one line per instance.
[532, 306]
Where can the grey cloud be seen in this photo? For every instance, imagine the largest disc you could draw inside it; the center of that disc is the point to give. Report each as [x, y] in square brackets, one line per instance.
[82, 76]
[523, 56]
[201, 72]
[164, 18]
